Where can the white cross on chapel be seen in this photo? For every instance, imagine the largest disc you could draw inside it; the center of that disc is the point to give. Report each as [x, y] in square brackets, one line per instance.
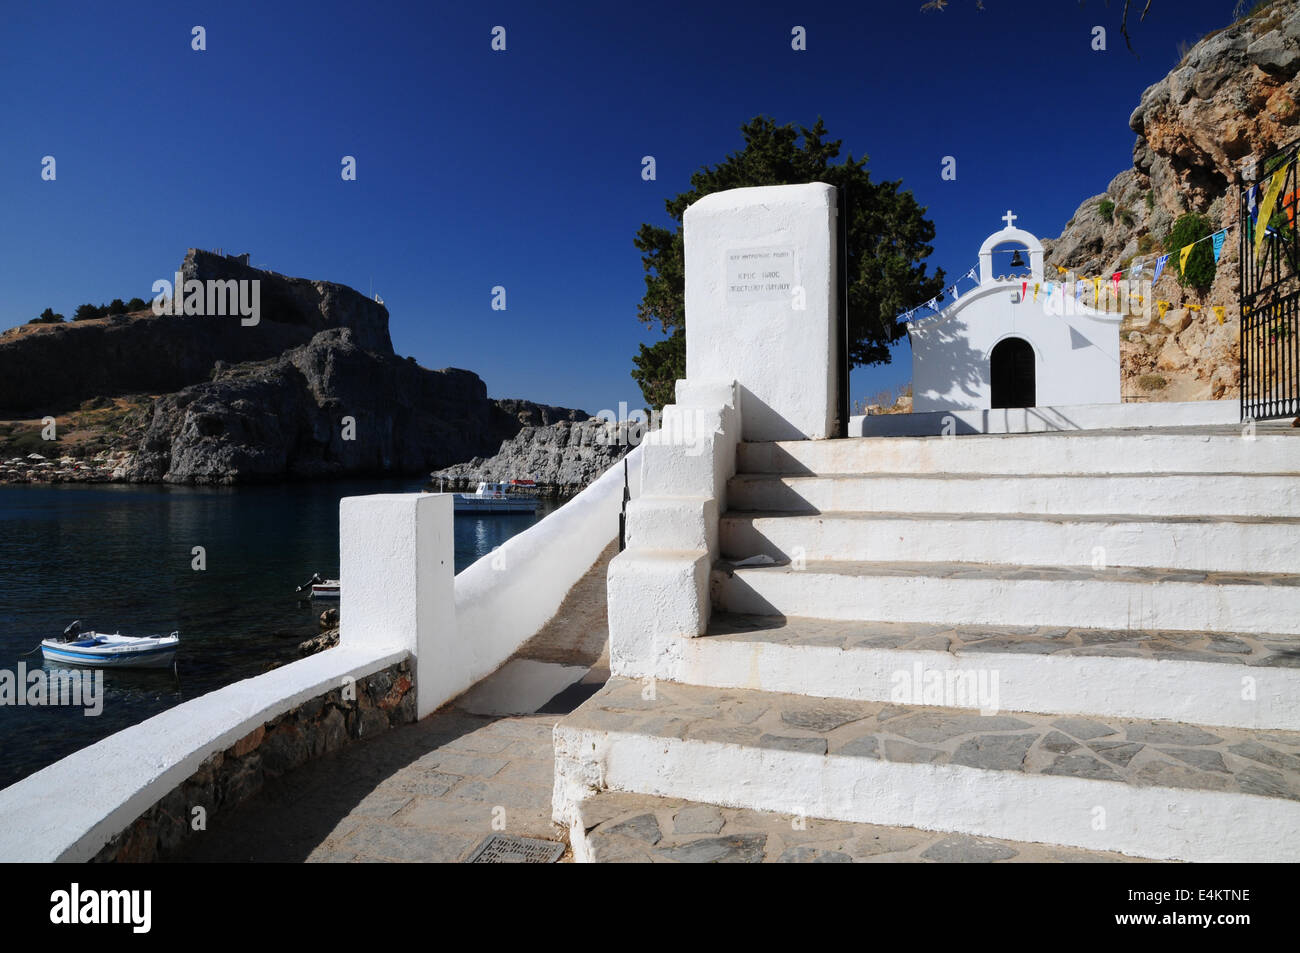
[1009, 218]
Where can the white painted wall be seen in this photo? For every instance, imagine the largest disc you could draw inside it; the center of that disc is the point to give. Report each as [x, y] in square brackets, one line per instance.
[396, 562]
[71, 809]
[673, 528]
[504, 598]
[774, 337]
[1076, 355]
[1076, 349]
[1044, 419]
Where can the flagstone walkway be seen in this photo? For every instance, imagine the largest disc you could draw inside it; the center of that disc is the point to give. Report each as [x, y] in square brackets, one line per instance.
[432, 790]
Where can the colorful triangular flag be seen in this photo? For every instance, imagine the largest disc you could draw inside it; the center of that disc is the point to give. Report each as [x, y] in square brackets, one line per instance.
[1182, 257]
[1266, 205]
[1218, 242]
[1160, 266]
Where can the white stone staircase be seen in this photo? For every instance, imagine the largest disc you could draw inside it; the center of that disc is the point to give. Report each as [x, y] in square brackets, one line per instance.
[1124, 606]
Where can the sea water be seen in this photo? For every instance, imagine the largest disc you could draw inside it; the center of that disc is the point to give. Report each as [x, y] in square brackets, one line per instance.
[123, 557]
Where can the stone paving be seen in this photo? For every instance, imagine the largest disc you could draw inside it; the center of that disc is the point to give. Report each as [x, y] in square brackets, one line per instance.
[1140, 753]
[429, 791]
[944, 570]
[432, 790]
[637, 828]
[1273, 651]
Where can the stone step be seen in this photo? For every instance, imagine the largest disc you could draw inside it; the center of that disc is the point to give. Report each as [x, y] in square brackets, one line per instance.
[1143, 788]
[1245, 681]
[975, 594]
[1212, 544]
[1273, 449]
[1267, 495]
[615, 827]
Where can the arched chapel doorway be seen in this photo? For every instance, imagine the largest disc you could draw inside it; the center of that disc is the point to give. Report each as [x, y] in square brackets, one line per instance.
[1011, 373]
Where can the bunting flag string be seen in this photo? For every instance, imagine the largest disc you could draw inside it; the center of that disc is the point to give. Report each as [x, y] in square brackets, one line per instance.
[1218, 312]
[1266, 206]
[1218, 240]
[1160, 266]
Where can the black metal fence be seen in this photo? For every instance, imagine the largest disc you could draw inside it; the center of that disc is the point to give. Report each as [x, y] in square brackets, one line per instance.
[1270, 295]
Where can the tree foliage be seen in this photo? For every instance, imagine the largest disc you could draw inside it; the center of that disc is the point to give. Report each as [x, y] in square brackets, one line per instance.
[888, 240]
[1199, 273]
[47, 317]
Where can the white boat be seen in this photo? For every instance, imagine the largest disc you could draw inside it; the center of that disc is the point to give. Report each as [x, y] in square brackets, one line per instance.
[102, 650]
[321, 588]
[494, 498]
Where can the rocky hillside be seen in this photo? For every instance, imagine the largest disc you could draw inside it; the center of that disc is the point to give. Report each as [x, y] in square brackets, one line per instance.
[562, 458]
[47, 369]
[313, 390]
[1231, 102]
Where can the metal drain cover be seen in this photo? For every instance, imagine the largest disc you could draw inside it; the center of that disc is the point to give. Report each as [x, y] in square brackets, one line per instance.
[508, 849]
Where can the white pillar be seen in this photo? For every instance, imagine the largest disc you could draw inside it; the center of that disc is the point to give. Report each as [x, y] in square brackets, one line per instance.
[397, 576]
[761, 305]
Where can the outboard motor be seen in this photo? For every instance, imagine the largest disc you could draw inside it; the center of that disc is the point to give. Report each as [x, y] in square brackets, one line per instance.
[71, 632]
[315, 578]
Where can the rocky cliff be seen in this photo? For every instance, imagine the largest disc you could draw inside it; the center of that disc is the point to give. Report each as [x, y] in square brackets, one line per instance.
[1231, 102]
[46, 369]
[562, 458]
[313, 390]
[328, 409]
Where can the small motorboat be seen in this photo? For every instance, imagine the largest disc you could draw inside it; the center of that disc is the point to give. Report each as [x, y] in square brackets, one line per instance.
[320, 588]
[102, 650]
[495, 498]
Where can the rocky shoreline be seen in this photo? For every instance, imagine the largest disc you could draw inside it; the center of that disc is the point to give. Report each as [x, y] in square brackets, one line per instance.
[562, 459]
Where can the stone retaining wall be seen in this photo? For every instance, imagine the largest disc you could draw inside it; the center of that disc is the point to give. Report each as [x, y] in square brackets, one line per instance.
[315, 728]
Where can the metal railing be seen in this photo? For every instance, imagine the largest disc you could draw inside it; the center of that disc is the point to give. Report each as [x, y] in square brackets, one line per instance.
[1270, 296]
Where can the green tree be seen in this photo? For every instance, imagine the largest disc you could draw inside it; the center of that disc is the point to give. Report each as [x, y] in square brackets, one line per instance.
[117, 306]
[888, 238]
[136, 304]
[1199, 273]
[659, 366]
[85, 312]
[47, 317]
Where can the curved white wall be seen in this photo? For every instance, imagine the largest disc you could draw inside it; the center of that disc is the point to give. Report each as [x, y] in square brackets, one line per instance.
[505, 597]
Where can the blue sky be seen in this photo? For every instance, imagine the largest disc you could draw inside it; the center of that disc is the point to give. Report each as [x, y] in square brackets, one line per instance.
[522, 169]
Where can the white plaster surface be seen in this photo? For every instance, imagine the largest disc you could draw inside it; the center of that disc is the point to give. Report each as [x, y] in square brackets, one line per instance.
[71, 809]
[1156, 822]
[1046, 419]
[396, 560]
[1076, 348]
[505, 598]
[780, 348]
[1096, 603]
[1228, 494]
[1199, 693]
[1031, 455]
[1200, 544]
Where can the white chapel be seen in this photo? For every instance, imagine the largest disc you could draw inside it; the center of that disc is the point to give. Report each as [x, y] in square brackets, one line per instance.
[1014, 340]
